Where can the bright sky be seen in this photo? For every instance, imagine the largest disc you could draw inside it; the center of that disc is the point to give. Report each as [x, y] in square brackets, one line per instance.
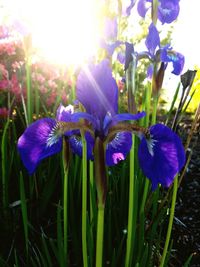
[65, 31]
[186, 35]
[186, 40]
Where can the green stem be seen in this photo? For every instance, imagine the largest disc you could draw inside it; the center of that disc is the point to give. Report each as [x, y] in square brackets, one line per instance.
[29, 92]
[171, 217]
[91, 191]
[154, 112]
[154, 11]
[147, 109]
[100, 231]
[147, 104]
[84, 201]
[146, 188]
[4, 166]
[131, 87]
[65, 193]
[101, 186]
[131, 209]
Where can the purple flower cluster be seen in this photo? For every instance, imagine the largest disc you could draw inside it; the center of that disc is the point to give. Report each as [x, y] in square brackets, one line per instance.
[168, 10]
[161, 154]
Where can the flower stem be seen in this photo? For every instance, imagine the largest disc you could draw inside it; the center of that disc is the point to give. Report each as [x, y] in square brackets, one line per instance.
[147, 109]
[101, 186]
[131, 209]
[154, 112]
[171, 217]
[100, 231]
[65, 157]
[91, 191]
[28, 90]
[154, 11]
[84, 201]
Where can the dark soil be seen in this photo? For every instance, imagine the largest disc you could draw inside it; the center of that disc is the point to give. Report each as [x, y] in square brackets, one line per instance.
[186, 229]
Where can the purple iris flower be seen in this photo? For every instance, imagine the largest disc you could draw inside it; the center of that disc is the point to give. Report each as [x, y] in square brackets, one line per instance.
[168, 10]
[109, 41]
[161, 156]
[156, 53]
[129, 5]
[43, 138]
[97, 91]
[163, 54]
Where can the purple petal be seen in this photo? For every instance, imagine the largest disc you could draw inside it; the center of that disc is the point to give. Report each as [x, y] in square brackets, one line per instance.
[129, 8]
[127, 116]
[111, 121]
[36, 143]
[110, 28]
[142, 7]
[77, 147]
[118, 148]
[97, 90]
[153, 39]
[168, 10]
[176, 58]
[150, 71]
[121, 57]
[64, 113]
[83, 115]
[128, 55]
[161, 157]
[110, 47]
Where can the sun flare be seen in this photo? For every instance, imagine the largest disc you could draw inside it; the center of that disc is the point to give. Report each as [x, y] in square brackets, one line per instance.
[63, 31]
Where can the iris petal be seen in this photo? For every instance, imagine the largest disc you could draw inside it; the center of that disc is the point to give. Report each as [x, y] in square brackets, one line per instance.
[128, 54]
[129, 8]
[143, 7]
[118, 148]
[127, 116]
[64, 113]
[176, 58]
[34, 144]
[168, 10]
[111, 121]
[162, 157]
[83, 115]
[153, 39]
[110, 47]
[97, 90]
[110, 28]
[77, 146]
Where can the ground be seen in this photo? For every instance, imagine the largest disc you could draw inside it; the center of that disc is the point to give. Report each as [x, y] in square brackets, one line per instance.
[186, 229]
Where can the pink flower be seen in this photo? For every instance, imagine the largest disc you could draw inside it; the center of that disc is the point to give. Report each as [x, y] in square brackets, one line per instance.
[15, 86]
[3, 72]
[4, 84]
[4, 113]
[17, 65]
[43, 89]
[52, 84]
[121, 86]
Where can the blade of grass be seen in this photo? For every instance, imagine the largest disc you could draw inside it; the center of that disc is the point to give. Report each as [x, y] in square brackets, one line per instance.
[4, 166]
[61, 257]
[24, 210]
[46, 251]
[84, 200]
[173, 103]
[132, 212]
[171, 217]
[29, 91]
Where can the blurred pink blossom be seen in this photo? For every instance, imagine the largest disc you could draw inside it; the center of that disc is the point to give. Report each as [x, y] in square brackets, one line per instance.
[4, 112]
